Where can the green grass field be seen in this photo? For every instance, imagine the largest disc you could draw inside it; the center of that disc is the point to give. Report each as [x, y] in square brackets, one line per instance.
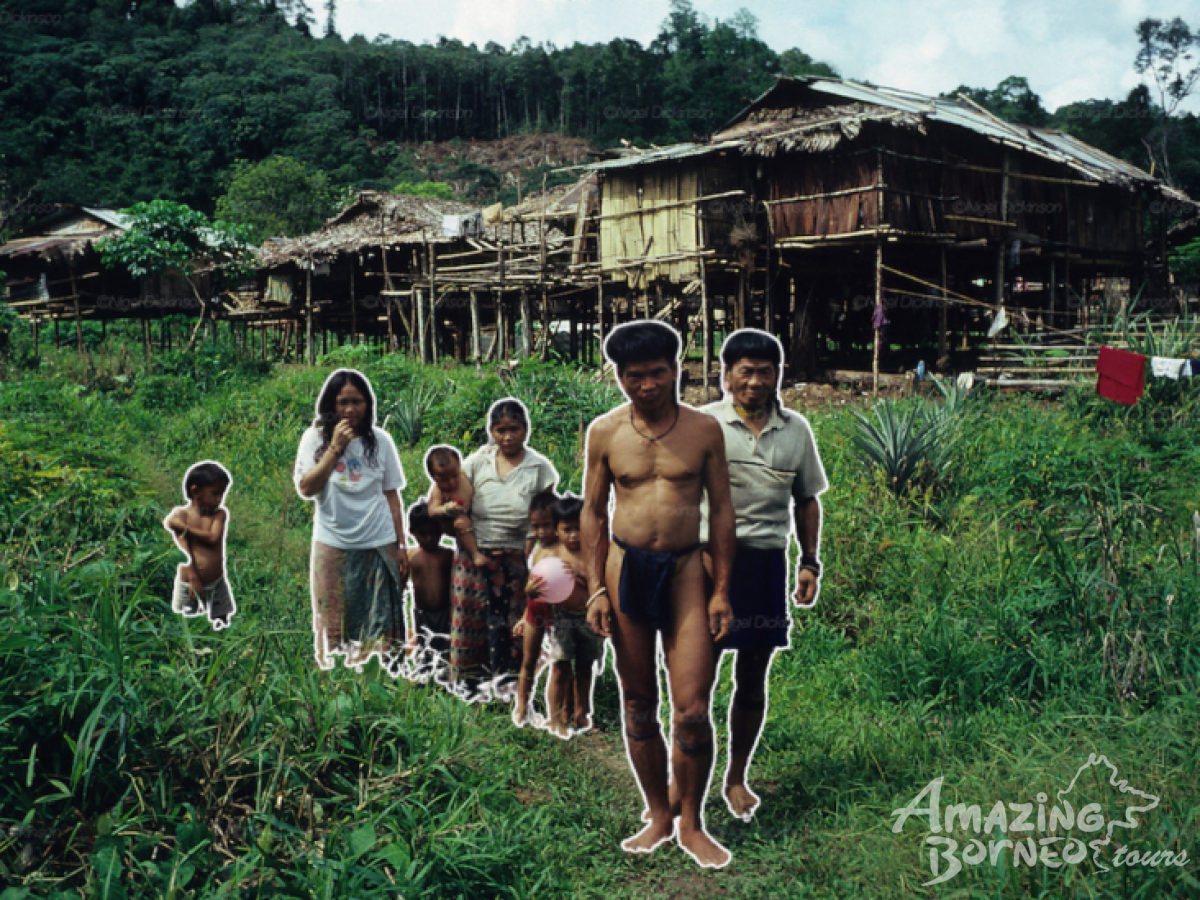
[993, 626]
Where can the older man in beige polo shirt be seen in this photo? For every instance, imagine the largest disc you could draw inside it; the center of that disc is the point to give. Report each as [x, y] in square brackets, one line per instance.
[773, 466]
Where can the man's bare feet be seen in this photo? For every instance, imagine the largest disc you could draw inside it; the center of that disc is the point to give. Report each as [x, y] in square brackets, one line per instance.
[559, 730]
[583, 722]
[676, 803]
[703, 849]
[742, 801]
[650, 837]
[520, 716]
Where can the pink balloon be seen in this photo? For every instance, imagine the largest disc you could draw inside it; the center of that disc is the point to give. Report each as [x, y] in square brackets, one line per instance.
[559, 580]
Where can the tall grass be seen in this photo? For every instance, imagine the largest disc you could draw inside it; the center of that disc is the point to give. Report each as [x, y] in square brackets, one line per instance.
[1040, 606]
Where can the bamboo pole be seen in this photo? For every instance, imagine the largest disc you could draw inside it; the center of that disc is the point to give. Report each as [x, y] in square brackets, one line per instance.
[600, 322]
[878, 305]
[547, 337]
[308, 311]
[526, 326]
[998, 293]
[503, 351]
[476, 338]
[78, 317]
[943, 310]
[422, 345]
[705, 316]
[1053, 288]
[432, 323]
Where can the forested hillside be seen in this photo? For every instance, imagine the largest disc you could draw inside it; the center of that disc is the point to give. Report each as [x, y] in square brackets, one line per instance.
[111, 102]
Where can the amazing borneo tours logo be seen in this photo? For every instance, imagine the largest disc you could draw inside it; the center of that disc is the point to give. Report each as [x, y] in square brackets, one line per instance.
[1052, 834]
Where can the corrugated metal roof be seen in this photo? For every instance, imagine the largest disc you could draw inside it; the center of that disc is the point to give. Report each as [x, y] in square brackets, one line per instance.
[661, 154]
[111, 216]
[1046, 143]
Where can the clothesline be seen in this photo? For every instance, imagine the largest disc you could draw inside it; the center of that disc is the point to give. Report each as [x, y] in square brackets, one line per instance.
[1016, 310]
[1121, 374]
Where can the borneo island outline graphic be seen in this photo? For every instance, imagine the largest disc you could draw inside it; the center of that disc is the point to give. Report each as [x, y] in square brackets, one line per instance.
[964, 835]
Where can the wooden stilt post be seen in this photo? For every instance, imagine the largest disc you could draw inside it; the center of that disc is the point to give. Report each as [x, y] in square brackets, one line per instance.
[432, 319]
[878, 305]
[547, 335]
[943, 309]
[1053, 291]
[1002, 250]
[308, 311]
[501, 330]
[78, 315]
[389, 299]
[878, 268]
[741, 297]
[600, 323]
[706, 325]
[476, 338]
[575, 331]
[526, 326]
[422, 333]
[354, 306]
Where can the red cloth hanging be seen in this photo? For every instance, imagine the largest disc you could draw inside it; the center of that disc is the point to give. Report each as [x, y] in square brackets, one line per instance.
[1122, 375]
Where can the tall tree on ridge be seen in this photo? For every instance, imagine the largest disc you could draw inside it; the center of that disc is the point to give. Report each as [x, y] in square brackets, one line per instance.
[1167, 52]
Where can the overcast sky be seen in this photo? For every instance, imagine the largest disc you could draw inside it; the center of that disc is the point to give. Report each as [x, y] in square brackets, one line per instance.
[1068, 49]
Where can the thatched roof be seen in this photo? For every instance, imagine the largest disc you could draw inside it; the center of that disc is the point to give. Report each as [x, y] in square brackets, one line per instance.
[374, 218]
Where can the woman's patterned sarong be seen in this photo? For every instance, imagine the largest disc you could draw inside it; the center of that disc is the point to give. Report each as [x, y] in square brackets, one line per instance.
[485, 604]
[358, 606]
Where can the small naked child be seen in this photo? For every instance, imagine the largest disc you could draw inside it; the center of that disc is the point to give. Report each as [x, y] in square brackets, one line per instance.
[431, 566]
[198, 529]
[450, 500]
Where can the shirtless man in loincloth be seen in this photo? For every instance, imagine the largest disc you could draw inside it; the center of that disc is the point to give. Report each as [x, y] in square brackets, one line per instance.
[659, 455]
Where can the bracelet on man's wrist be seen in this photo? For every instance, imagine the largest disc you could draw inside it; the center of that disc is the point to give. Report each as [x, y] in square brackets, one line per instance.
[592, 599]
[809, 561]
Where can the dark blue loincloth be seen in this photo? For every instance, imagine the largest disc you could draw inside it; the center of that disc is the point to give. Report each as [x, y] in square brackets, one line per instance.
[645, 586]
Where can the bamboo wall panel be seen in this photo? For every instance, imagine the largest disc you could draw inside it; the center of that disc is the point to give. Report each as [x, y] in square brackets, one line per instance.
[632, 228]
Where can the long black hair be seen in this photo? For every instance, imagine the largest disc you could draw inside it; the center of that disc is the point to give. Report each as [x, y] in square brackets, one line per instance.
[327, 417]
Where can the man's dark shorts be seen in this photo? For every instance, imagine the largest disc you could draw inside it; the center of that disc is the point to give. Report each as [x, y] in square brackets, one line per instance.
[758, 595]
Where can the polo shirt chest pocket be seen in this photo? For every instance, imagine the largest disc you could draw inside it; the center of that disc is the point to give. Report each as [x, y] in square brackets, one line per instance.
[760, 489]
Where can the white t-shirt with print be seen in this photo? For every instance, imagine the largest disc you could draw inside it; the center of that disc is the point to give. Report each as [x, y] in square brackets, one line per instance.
[352, 513]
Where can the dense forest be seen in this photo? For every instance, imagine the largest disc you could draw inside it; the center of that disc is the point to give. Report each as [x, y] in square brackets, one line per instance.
[110, 102]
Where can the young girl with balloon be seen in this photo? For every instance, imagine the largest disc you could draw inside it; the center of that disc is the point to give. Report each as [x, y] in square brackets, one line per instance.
[558, 579]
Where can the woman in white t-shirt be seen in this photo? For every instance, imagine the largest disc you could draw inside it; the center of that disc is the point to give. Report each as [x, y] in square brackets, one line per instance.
[359, 561]
[486, 602]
